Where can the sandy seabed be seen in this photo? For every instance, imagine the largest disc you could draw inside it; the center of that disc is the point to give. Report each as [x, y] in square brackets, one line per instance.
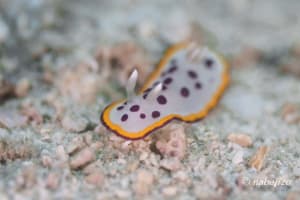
[62, 62]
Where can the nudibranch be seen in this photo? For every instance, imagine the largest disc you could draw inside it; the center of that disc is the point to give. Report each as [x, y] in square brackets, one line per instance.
[187, 83]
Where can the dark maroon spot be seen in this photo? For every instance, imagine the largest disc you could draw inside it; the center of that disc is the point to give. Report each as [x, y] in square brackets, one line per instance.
[184, 92]
[192, 74]
[155, 114]
[164, 87]
[145, 96]
[198, 85]
[168, 80]
[142, 116]
[172, 69]
[120, 107]
[208, 62]
[134, 108]
[124, 117]
[161, 99]
[125, 103]
[147, 90]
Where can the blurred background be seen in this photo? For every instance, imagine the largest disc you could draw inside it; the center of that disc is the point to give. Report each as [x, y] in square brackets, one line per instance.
[63, 61]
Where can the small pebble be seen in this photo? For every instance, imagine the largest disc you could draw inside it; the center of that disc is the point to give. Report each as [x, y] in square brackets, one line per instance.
[241, 139]
[52, 181]
[293, 195]
[96, 145]
[96, 178]
[132, 166]
[169, 191]
[32, 114]
[48, 77]
[91, 168]
[22, 88]
[144, 182]
[61, 153]
[122, 194]
[82, 158]
[7, 90]
[88, 138]
[171, 164]
[257, 160]
[292, 67]
[47, 161]
[28, 177]
[144, 156]
[181, 176]
[290, 113]
[76, 144]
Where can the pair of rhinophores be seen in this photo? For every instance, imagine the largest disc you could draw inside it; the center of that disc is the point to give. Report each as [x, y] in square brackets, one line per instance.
[187, 83]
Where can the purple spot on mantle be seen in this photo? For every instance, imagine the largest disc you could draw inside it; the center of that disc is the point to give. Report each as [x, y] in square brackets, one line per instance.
[184, 92]
[172, 69]
[198, 85]
[161, 99]
[134, 108]
[120, 107]
[142, 116]
[124, 117]
[192, 74]
[208, 62]
[147, 90]
[155, 114]
[168, 80]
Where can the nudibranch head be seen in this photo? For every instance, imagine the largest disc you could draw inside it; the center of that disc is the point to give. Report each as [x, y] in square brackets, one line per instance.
[186, 85]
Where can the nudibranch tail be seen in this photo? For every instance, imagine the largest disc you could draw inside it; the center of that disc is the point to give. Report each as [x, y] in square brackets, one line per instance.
[187, 83]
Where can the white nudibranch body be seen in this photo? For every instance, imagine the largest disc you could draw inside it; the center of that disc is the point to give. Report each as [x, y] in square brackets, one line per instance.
[187, 83]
